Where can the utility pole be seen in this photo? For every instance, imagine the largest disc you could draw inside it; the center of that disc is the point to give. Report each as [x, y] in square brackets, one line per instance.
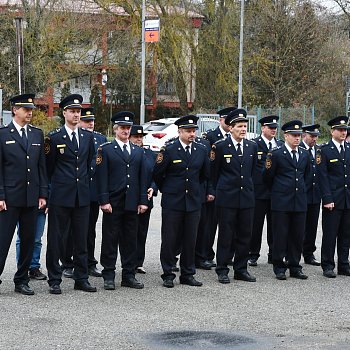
[240, 69]
[143, 65]
[20, 55]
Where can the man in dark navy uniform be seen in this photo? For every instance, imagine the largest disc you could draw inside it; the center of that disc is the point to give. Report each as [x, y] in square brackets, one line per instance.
[136, 137]
[309, 143]
[69, 152]
[232, 163]
[23, 186]
[334, 175]
[87, 121]
[122, 181]
[213, 135]
[181, 168]
[287, 170]
[265, 142]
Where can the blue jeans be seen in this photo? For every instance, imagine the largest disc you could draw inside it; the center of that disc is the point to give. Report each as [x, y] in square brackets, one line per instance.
[35, 264]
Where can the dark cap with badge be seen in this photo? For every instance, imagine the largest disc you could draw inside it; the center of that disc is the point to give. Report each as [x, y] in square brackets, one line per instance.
[293, 127]
[271, 121]
[24, 100]
[123, 118]
[87, 114]
[312, 129]
[225, 111]
[137, 130]
[72, 102]
[339, 122]
[187, 122]
[236, 116]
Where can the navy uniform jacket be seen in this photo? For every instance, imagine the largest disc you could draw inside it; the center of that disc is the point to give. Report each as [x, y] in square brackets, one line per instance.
[180, 179]
[99, 139]
[232, 176]
[150, 159]
[313, 192]
[69, 173]
[213, 135]
[288, 183]
[120, 182]
[334, 174]
[23, 178]
[261, 190]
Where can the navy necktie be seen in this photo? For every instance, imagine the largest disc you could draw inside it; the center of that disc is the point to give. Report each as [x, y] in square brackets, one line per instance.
[24, 138]
[270, 145]
[295, 161]
[188, 154]
[125, 152]
[342, 152]
[74, 142]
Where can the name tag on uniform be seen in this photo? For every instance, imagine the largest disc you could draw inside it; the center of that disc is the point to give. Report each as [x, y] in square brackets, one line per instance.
[36, 144]
[177, 161]
[8, 142]
[333, 160]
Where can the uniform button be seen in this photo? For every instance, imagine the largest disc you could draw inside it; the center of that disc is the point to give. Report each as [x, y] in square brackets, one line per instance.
[27, 157]
[241, 166]
[346, 185]
[127, 186]
[314, 174]
[128, 175]
[28, 170]
[77, 157]
[186, 179]
[28, 183]
[186, 168]
[241, 188]
[242, 177]
[77, 180]
[346, 175]
[296, 189]
[296, 169]
[91, 178]
[128, 165]
[186, 191]
[313, 184]
[296, 179]
[77, 168]
[92, 168]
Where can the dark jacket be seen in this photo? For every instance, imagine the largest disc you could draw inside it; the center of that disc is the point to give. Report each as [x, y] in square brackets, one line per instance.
[23, 178]
[232, 176]
[69, 172]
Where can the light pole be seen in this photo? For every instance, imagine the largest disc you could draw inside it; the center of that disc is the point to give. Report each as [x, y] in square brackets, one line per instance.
[240, 68]
[20, 55]
[143, 65]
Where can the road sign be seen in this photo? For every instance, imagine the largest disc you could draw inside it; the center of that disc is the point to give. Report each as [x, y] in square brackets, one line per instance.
[152, 30]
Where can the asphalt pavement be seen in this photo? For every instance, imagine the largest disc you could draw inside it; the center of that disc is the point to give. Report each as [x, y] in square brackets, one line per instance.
[268, 314]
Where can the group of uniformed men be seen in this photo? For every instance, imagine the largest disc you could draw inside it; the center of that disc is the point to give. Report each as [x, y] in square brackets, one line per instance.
[221, 179]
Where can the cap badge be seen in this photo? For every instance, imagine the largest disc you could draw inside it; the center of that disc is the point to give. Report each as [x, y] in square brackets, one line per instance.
[241, 115]
[30, 100]
[139, 131]
[88, 113]
[296, 126]
[190, 121]
[342, 122]
[274, 121]
[127, 118]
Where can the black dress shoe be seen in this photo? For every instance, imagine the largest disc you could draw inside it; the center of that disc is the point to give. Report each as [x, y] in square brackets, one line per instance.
[344, 272]
[94, 271]
[329, 274]
[310, 260]
[223, 278]
[132, 283]
[253, 262]
[204, 265]
[299, 275]
[168, 283]
[109, 285]
[84, 286]
[190, 281]
[244, 276]
[55, 289]
[37, 275]
[24, 289]
[68, 273]
[281, 276]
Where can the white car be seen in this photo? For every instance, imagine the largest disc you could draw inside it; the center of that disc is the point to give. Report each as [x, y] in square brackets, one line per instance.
[161, 130]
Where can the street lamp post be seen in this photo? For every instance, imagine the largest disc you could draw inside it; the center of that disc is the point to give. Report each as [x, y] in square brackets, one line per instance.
[20, 55]
[240, 69]
[143, 65]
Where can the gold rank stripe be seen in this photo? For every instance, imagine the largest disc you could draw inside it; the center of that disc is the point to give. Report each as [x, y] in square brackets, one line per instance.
[7, 142]
[260, 152]
[333, 160]
[60, 146]
[227, 155]
[177, 161]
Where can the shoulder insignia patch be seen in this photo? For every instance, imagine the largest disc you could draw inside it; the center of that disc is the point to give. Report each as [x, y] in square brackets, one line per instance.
[99, 156]
[212, 154]
[159, 158]
[47, 147]
[318, 158]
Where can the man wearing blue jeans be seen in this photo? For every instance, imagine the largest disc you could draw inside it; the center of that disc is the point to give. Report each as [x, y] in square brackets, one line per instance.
[34, 269]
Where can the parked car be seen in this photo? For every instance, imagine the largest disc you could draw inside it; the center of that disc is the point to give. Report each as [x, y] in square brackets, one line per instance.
[161, 130]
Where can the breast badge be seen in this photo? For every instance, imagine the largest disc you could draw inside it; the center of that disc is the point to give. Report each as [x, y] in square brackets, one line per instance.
[159, 158]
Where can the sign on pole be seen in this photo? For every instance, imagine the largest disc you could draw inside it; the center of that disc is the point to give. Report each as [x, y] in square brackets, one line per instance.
[152, 30]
